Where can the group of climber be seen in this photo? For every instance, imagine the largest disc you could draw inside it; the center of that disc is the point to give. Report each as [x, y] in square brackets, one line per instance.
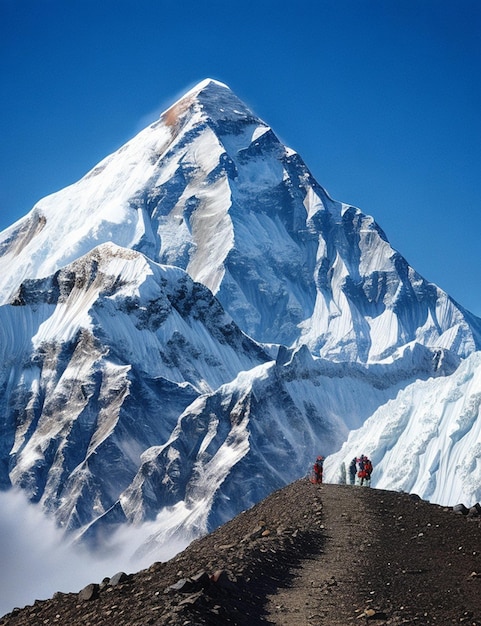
[361, 468]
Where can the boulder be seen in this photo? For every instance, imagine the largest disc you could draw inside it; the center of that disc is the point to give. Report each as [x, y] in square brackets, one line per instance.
[90, 592]
[475, 510]
[117, 579]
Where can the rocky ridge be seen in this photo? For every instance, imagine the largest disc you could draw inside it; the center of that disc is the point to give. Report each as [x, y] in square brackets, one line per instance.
[307, 554]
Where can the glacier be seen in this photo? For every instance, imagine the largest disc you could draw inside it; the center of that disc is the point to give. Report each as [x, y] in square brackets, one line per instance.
[426, 441]
[189, 325]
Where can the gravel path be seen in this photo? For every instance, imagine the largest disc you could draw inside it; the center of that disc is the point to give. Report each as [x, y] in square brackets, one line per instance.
[324, 589]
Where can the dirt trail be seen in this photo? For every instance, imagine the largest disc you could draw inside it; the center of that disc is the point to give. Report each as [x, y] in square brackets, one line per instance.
[325, 589]
[385, 559]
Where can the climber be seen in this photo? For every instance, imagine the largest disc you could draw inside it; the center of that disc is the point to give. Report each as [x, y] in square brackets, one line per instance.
[352, 471]
[368, 470]
[361, 474]
[318, 469]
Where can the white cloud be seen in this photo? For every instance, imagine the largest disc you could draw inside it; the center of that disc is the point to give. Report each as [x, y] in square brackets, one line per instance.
[36, 560]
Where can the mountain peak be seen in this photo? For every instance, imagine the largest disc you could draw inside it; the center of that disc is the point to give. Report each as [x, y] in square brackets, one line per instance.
[214, 99]
[210, 84]
[207, 89]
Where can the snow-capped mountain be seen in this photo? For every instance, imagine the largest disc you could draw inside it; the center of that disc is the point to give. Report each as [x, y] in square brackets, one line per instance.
[210, 188]
[99, 361]
[185, 328]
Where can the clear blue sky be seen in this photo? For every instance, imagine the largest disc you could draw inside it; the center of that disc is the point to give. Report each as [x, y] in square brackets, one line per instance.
[382, 99]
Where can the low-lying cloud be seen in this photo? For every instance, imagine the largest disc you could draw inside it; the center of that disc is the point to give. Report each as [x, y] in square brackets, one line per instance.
[36, 559]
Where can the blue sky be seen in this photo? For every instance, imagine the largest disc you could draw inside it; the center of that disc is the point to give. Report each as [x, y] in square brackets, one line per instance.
[381, 98]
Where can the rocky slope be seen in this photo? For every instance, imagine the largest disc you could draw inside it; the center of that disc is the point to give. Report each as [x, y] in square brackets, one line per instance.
[307, 554]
